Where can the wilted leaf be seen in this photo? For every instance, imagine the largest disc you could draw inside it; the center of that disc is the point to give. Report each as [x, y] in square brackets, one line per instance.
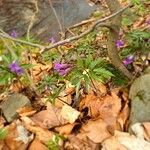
[69, 113]
[65, 130]
[37, 145]
[43, 135]
[49, 118]
[96, 130]
[10, 139]
[26, 111]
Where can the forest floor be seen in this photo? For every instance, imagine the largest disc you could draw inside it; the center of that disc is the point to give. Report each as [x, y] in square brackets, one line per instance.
[55, 101]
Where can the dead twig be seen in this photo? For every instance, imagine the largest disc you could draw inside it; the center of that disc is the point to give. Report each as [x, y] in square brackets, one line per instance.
[46, 48]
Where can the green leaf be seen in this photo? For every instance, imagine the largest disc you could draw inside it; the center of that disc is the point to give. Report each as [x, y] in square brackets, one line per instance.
[95, 77]
[103, 72]
[27, 66]
[94, 64]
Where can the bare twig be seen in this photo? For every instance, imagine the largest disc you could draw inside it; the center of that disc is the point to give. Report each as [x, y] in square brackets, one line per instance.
[5, 35]
[82, 23]
[46, 48]
[99, 23]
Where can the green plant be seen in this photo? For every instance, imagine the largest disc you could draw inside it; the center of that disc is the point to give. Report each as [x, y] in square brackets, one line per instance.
[53, 144]
[138, 40]
[87, 70]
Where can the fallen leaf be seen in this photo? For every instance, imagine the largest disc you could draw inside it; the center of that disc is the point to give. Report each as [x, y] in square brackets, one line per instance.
[26, 111]
[2, 121]
[74, 143]
[49, 118]
[123, 116]
[43, 135]
[126, 141]
[146, 127]
[11, 137]
[95, 130]
[37, 145]
[69, 113]
[66, 129]
[107, 108]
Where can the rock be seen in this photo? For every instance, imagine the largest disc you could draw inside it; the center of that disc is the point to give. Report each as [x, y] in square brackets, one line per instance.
[140, 99]
[16, 15]
[12, 104]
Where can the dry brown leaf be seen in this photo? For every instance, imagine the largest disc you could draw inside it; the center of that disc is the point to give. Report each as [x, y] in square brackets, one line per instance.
[43, 135]
[3, 146]
[49, 118]
[11, 137]
[112, 144]
[101, 87]
[26, 111]
[74, 143]
[93, 103]
[95, 130]
[126, 141]
[59, 102]
[107, 108]
[123, 116]
[37, 145]
[65, 130]
[16, 87]
[69, 113]
[146, 126]
[2, 121]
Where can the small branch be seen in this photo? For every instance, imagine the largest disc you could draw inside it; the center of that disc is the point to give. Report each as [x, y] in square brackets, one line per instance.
[5, 35]
[82, 23]
[99, 23]
[46, 48]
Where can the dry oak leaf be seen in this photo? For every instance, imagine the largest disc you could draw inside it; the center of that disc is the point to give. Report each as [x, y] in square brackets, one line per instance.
[26, 111]
[43, 135]
[95, 130]
[49, 118]
[69, 113]
[123, 116]
[12, 140]
[66, 129]
[37, 145]
[75, 143]
[107, 108]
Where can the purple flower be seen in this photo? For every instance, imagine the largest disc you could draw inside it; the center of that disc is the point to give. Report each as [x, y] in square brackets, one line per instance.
[52, 40]
[13, 34]
[119, 43]
[62, 69]
[15, 68]
[128, 60]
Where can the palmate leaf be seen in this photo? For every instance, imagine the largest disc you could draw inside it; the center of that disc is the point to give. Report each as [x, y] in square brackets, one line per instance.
[95, 77]
[103, 72]
[95, 63]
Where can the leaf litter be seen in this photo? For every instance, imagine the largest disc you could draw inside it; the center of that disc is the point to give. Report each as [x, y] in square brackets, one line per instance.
[97, 123]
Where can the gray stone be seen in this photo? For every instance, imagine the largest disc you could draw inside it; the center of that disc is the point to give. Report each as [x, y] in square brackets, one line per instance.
[17, 14]
[12, 104]
[140, 100]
